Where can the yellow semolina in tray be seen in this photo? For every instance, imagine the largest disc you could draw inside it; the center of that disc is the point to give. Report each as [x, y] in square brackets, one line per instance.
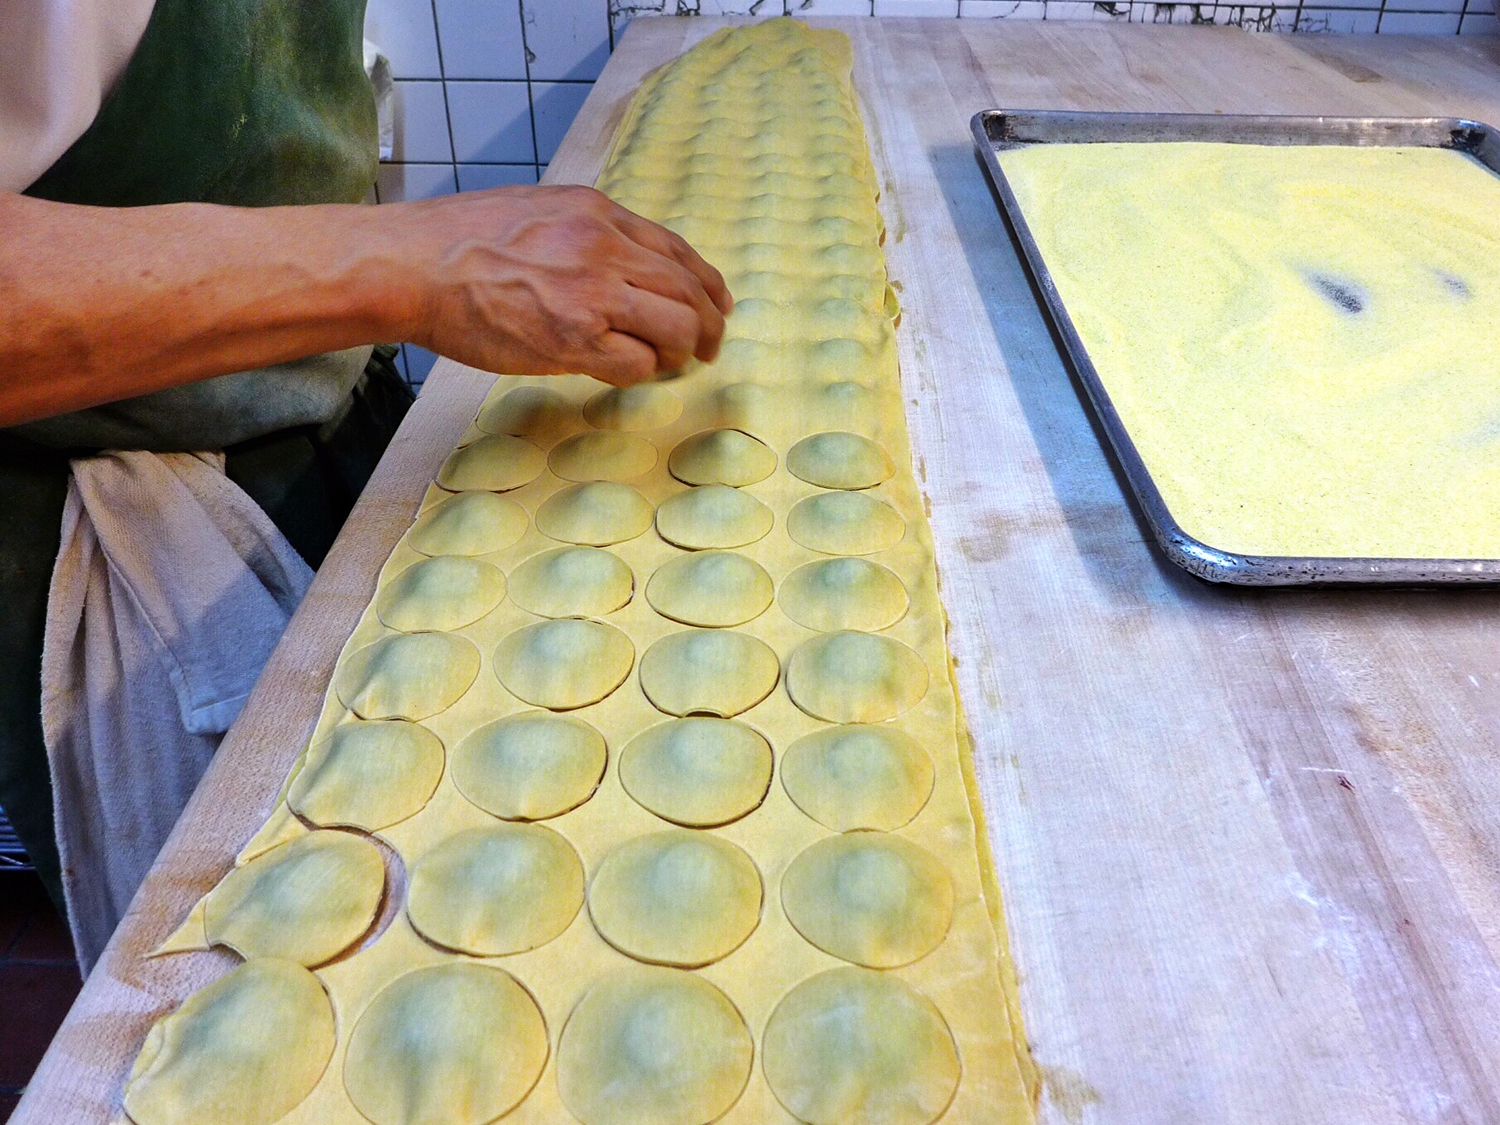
[646, 752]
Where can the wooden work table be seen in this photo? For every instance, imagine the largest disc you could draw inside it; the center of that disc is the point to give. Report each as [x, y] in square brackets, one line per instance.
[1249, 841]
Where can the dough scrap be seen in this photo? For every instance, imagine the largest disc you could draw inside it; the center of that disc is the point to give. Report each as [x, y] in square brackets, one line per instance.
[676, 897]
[469, 523]
[852, 1045]
[525, 412]
[872, 898]
[454, 1044]
[594, 514]
[644, 406]
[653, 1046]
[708, 671]
[845, 593]
[572, 582]
[844, 523]
[494, 463]
[839, 459]
[859, 776]
[531, 766]
[306, 901]
[729, 457]
[697, 772]
[407, 676]
[244, 1050]
[713, 515]
[367, 775]
[564, 664]
[447, 592]
[854, 677]
[496, 890]
[602, 455]
[710, 588]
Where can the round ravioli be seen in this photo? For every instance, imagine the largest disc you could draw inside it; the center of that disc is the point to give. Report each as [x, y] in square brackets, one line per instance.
[572, 582]
[307, 900]
[844, 401]
[644, 406]
[729, 457]
[447, 592]
[244, 1050]
[602, 455]
[852, 1046]
[367, 775]
[408, 676]
[530, 767]
[563, 664]
[525, 411]
[595, 514]
[869, 897]
[454, 1044]
[745, 404]
[712, 588]
[698, 772]
[848, 593]
[858, 776]
[713, 515]
[653, 1046]
[470, 523]
[839, 459]
[855, 677]
[494, 463]
[708, 672]
[676, 898]
[844, 523]
[496, 890]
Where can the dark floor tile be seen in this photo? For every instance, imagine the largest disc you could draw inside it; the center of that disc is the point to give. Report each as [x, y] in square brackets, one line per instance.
[36, 999]
[8, 1104]
[46, 938]
[21, 895]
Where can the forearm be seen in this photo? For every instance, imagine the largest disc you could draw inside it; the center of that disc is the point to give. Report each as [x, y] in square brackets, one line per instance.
[98, 304]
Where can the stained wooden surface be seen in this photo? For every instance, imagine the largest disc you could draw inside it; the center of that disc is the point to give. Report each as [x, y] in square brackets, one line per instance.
[1249, 841]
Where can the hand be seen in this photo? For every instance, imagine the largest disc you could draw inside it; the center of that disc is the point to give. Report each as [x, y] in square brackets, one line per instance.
[554, 280]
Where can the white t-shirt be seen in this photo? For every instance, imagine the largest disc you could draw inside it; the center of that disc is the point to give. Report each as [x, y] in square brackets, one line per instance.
[59, 60]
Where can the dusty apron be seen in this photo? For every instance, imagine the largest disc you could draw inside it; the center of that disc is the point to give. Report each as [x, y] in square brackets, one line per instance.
[172, 572]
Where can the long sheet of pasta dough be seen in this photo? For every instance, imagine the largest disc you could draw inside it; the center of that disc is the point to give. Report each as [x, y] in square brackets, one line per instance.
[653, 704]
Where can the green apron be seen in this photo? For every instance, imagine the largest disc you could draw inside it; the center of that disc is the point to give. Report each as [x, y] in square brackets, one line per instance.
[242, 102]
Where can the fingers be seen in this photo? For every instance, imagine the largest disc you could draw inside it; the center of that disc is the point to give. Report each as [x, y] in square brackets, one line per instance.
[674, 246]
[658, 275]
[669, 327]
[621, 359]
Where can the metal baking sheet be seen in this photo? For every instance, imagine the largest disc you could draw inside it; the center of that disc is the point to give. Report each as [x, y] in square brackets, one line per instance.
[996, 130]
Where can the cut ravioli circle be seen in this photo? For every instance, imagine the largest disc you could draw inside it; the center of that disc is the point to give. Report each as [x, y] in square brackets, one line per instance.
[839, 459]
[676, 898]
[653, 1046]
[470, 523]
[869, 897]
[496, 890]
[602, 455]
[244, 1050]
[447, 592]
[858, 776]
[712, 588]
[644, 406]
[564, 664]
[708, 672]
[408, 676]
[853, 677]
[844, 593]
[454, 1044]
[525, 411]
[494, 463]
[844, 523]
[697, 772]
[367, 775]
[532, 766]
[713, 515]
[729, 457]
[306, 901]
[572, 582]
[853, 1045]
[594, 514]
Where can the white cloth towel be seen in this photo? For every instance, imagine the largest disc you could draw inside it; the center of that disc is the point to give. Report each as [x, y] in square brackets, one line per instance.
[170, 590]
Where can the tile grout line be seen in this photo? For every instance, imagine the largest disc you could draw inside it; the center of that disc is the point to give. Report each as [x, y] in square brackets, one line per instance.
[536, 152]
[437, 38]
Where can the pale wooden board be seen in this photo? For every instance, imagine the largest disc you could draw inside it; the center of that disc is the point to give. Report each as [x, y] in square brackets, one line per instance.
[1250, 842]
